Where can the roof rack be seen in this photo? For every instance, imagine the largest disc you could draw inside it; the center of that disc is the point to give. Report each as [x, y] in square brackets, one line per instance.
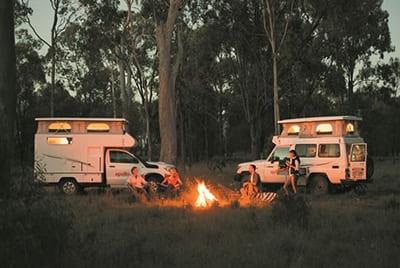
[320, 118]
[80, 119]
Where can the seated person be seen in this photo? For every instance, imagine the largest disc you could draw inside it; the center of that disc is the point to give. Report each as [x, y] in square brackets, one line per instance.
[137, 183]
[172, 182]
[253, 185]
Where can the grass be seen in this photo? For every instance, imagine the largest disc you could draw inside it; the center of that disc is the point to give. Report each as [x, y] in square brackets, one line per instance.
[341, 230]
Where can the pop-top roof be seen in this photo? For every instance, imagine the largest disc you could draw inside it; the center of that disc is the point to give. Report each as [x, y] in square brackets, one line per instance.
[81, 119]
[319, 119]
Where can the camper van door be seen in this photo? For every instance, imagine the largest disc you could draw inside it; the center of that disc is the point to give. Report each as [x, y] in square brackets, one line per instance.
[118, 166]
[358, 161]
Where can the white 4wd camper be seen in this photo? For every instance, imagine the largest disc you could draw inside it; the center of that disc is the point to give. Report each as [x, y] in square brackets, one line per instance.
[330, 149]
[82, 152]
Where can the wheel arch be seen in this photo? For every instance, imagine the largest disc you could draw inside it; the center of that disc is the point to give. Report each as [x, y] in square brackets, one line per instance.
[239, 176]
[67, 178]
[159, 177]
[318, 174]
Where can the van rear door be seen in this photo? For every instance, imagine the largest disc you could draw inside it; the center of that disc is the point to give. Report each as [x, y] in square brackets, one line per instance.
[358, 161]
[118, 166]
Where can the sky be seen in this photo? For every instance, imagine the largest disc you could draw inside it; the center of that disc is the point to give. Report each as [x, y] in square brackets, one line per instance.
[42, 19]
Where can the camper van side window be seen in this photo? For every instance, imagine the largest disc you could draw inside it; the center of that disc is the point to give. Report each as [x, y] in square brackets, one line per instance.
[122, 157]
[324, 129]
[329, 150]
[350, 128]
[306, 150]
[98, 127]
[59, 127]
[294, 130]
[59, 141]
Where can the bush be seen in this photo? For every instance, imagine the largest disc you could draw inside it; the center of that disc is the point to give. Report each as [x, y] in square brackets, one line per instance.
[392, 204]
[291, 211]
[34, 229]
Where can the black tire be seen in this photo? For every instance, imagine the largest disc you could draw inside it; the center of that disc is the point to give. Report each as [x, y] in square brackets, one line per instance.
[244, 176]
[154, 178]
[69, 187]
[360, 188]
[318, 185]
[370, 168]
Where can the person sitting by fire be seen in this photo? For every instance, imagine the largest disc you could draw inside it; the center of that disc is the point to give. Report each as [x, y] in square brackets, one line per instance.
[253, 185]
[172, 183]
[137, 184]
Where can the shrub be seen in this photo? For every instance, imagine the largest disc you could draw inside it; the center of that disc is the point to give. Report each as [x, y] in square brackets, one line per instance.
[291, 211]
[392, 204]
[34, 229]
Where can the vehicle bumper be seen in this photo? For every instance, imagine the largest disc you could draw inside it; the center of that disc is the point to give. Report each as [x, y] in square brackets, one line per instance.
[348, 182]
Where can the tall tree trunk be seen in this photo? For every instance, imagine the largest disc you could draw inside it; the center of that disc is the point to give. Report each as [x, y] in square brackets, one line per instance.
[113, 93]
[350, 85]
[181, 135]
[167, 77]
[148, 131]
[275, 42]
[276, 95]
[206, 143]
[128, 90]
[53, 48]
[189, 133]
[221, 125]
[255, 138]
[166, 106]
[122, 87]
[53, 80]
[7, 91]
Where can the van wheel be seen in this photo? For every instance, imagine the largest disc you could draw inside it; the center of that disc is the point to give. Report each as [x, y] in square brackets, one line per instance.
[360, 188]
[244, 176]
[69, 187]
[318, 185]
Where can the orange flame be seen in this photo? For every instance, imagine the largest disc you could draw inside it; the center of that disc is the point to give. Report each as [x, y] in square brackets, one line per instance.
[205, 196]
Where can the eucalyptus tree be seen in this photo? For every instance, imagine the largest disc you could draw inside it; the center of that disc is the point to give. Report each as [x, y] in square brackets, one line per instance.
[244, 45]
[64, 12]
[7, 91]
[276, 15]
[164, 15]
[354, 31]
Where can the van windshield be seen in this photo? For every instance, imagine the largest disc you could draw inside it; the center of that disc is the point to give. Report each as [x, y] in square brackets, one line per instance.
[280, 154]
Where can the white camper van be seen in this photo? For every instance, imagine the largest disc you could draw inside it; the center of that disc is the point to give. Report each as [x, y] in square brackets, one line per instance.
[81, 152]
[331, 152]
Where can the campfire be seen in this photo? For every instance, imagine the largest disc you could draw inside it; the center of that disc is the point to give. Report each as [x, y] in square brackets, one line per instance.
[206, 198]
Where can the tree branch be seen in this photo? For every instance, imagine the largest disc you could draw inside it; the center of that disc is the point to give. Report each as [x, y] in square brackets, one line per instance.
[35, 32]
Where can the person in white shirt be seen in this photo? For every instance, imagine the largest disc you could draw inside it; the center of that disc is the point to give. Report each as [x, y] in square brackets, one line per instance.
[136, 183]
[253, 185]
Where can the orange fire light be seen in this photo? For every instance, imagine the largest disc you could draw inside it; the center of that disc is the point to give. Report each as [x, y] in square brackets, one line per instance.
[206, 198]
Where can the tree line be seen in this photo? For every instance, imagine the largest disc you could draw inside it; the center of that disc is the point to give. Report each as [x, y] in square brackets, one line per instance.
[201, 79]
